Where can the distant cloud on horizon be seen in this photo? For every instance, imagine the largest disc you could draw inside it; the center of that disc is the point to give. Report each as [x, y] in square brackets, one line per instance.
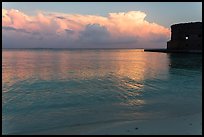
[61, 30]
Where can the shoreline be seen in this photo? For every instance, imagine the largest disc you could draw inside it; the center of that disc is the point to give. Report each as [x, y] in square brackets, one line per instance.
[173, 51]
[183, 125]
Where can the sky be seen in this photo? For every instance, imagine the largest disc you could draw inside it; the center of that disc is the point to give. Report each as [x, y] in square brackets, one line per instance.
[93, 24]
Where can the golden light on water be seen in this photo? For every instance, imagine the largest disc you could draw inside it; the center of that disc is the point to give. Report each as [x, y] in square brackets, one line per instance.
[133, 65]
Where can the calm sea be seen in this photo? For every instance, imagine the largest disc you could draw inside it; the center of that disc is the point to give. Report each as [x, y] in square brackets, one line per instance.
[44, 90]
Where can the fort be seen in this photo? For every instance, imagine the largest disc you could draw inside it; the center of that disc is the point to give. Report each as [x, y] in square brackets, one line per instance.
[185, 37]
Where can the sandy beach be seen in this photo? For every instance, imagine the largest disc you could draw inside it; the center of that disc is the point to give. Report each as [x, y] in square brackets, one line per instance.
[183, 125]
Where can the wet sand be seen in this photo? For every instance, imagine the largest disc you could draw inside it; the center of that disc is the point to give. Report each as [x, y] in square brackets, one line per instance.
[183, 125]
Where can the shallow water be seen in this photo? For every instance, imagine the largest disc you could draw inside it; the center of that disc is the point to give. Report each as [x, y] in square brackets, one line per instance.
[50, 89]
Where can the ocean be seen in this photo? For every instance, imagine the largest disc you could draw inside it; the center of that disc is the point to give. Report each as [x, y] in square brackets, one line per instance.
[49, 89]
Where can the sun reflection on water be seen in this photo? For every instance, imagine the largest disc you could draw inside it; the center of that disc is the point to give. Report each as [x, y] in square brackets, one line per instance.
[127, 69]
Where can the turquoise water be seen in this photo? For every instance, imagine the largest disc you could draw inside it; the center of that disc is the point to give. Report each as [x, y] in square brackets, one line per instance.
[44, 90]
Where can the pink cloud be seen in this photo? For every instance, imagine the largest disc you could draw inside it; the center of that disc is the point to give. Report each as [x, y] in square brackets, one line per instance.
[123, 24]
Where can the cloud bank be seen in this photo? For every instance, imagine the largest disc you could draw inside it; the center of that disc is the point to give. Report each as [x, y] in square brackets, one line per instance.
[60, 30]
